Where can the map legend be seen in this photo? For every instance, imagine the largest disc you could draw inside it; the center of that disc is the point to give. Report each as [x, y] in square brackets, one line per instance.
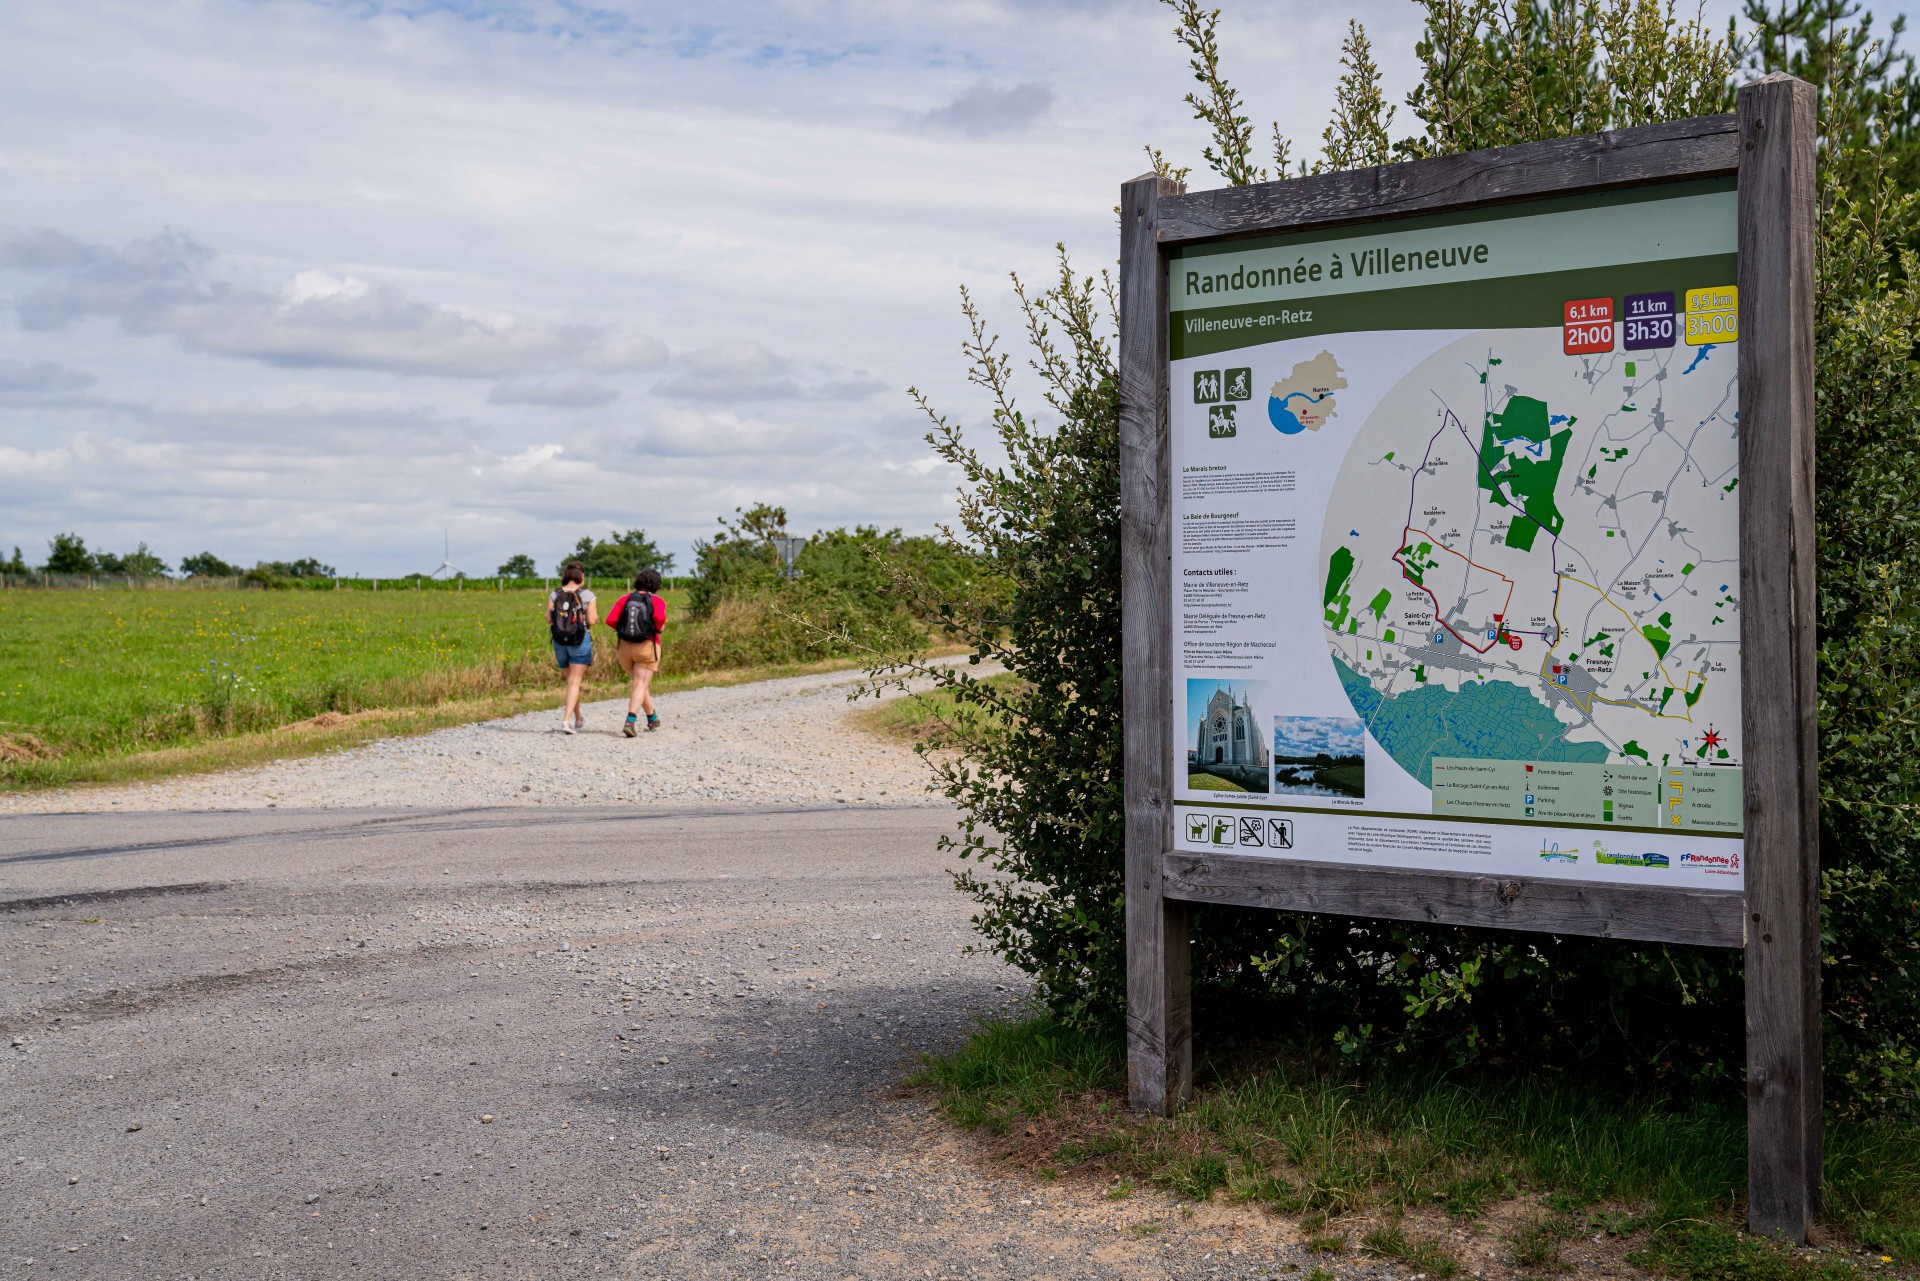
[1682, 798]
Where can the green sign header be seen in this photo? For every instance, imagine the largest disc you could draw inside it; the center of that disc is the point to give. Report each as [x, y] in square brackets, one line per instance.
[1496, 268]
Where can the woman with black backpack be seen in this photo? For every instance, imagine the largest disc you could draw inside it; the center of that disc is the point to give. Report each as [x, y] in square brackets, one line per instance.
[637, 619]
[570, 620]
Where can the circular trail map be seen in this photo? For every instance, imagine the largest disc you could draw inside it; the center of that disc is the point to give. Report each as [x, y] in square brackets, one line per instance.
[1532, 556]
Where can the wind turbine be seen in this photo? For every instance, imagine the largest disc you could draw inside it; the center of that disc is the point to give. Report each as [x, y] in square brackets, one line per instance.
[447, 566]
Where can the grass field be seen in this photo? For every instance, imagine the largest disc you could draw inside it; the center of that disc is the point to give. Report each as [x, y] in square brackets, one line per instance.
[88, 677]
[1446, 1173]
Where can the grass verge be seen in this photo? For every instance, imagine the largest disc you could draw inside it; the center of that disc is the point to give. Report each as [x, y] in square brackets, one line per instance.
[935, 718]
[1441, 1172]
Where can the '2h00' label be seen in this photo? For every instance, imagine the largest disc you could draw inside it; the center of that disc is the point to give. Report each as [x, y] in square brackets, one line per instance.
[1588, 326]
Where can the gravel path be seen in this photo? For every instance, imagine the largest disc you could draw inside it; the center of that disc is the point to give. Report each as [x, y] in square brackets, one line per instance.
[507, 1043]
[778, 742]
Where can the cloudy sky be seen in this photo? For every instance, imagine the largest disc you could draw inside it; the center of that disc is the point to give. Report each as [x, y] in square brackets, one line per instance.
[289, 277]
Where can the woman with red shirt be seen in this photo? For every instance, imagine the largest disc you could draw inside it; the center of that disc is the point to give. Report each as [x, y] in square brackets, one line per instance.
[637, 619]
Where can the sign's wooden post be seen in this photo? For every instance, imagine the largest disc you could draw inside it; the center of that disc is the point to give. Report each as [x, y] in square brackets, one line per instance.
[1777, 214]
[1159, 1014]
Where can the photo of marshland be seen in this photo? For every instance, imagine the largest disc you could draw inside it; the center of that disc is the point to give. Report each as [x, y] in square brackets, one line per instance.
[1319, 756]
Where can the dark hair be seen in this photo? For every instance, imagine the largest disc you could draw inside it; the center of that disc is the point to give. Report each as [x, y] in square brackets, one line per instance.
[647, 580]
[572, 572]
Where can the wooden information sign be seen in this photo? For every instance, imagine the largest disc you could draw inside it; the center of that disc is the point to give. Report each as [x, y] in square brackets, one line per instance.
[1468, 566]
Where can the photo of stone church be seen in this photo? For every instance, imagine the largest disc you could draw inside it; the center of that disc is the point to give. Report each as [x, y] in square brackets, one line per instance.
[1226, 750]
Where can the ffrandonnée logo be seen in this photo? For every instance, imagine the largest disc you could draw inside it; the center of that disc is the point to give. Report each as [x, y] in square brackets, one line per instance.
[1720, 864]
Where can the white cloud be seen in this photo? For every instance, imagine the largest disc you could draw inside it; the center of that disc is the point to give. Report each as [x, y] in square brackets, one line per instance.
[630, 355]
[36, 378]
[690, 433]
[555, 393]
[746, 371]
[986, 109]
[162, 285]
[732, 372]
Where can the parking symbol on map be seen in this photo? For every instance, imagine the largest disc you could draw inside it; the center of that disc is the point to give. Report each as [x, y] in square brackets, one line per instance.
[1250, 832]
[1280, 833]
[1197, 828]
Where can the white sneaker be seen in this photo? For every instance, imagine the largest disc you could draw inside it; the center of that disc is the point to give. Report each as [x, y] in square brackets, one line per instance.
[566, 724]
[579, 720]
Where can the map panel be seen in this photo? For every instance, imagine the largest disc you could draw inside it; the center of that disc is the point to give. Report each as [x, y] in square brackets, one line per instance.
[1476, 574]
[1557, 584]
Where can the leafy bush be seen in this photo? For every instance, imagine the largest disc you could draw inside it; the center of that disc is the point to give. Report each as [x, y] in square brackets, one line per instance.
[620, 556]
[206, 565]
[305, 567]
[1039, 782]
[842, 599]
[1038, 778]
[138, 563]
[68, 554]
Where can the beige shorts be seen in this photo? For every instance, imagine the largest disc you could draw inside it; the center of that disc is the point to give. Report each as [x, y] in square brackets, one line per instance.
[641, 655]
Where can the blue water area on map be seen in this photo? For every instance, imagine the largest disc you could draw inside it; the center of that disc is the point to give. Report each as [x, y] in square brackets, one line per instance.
[1535, 447]
[1282, 417]
[1697, 359]
[1487, 720]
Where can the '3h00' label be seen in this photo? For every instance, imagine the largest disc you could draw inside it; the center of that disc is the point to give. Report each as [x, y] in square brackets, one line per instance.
[1713, 315]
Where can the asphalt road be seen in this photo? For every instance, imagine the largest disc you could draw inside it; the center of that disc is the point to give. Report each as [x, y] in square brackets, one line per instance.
[518, 1043]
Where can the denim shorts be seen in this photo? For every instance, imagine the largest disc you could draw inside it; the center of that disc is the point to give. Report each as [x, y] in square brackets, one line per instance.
[580, 655]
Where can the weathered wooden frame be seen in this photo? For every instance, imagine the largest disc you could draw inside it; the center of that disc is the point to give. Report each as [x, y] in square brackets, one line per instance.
[1769, 144]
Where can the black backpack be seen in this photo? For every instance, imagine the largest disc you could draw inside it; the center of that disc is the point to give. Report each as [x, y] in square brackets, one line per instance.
[635, 623]
[569, 625]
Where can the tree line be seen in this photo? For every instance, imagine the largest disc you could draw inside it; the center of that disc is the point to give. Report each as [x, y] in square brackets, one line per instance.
[620, 555]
